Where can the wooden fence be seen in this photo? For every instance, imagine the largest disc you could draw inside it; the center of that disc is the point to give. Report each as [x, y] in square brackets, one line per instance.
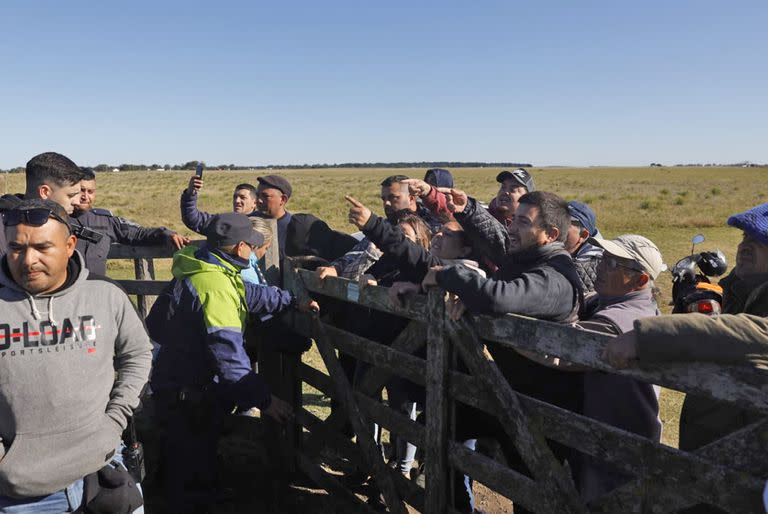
[729, 473]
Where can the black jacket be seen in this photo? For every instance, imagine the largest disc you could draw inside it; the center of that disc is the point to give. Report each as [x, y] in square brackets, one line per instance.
[309, 235]
[541, 283]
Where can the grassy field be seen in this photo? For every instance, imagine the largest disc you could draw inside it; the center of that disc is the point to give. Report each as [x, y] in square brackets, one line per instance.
[667, 205]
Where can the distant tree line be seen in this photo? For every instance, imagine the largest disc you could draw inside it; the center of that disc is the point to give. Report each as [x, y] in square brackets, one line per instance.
[422, 164]
[191, 165]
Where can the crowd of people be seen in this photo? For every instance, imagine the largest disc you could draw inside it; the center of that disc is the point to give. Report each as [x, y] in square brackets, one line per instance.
[75, 357]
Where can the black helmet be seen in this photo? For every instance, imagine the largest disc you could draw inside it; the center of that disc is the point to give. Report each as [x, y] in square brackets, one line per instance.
[713, 263]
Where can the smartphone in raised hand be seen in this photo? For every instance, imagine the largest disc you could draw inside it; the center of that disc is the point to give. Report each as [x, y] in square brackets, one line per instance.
[199, 170]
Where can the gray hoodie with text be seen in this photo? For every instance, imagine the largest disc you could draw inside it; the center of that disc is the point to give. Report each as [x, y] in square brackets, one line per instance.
[62, 406]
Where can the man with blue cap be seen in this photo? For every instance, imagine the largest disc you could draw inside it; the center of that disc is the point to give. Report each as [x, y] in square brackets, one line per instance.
[202, 371]
[586, 256]
[739, 336]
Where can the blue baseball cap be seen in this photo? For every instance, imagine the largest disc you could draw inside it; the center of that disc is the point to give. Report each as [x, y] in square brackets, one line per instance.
[582, 213]
[438, 177]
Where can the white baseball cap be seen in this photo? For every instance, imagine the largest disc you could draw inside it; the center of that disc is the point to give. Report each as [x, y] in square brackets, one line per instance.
[635, 248]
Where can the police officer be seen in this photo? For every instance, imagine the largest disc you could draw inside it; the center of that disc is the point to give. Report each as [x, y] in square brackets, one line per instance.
[201, 370]
[96, 229]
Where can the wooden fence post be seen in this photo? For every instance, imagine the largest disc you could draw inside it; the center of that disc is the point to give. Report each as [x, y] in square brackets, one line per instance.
[278, 369]
[144, 269]
[289, 388]
[437, 406]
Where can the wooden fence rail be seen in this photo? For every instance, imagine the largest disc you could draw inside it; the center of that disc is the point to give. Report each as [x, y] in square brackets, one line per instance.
[729, 473]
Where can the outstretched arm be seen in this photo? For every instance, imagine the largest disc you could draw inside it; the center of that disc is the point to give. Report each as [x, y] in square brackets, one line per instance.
[193, 218]
[739, 339]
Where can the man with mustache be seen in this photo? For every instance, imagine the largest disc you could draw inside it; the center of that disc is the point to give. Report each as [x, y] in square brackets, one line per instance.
[513, 185]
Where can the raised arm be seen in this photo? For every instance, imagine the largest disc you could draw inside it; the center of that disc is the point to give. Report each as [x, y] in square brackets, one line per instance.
[489, 237]
[193, 218]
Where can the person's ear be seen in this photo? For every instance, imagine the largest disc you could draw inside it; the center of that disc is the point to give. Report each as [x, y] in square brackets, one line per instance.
[71, 244]
[284, 199]
[44, 191]
[584, 234]
[553, 234]
[643, 279]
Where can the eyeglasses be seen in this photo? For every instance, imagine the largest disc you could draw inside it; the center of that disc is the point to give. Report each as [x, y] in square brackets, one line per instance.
[36, 217]
[614, 263]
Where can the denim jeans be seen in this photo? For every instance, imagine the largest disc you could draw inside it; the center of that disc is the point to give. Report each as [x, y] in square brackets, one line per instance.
[66, 500]
[404, 397]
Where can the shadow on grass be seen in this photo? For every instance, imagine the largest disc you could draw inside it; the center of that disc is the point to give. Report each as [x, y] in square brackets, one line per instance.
[252, 476]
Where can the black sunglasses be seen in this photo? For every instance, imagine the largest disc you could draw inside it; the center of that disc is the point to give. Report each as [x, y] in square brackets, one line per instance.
[36, 217]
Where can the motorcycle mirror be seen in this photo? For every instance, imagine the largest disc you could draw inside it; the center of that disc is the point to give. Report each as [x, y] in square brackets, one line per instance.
[697, 239]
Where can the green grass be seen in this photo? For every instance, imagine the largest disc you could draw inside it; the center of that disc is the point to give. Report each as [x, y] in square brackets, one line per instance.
[626, 200]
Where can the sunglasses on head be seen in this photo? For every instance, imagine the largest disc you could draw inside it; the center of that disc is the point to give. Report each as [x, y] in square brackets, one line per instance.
[521, 174]
[35, 217]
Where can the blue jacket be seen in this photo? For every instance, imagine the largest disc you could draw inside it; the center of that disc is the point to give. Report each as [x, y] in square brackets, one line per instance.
[199, 322]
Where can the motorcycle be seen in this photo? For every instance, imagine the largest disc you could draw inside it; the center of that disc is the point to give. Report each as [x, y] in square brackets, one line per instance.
[692, 290]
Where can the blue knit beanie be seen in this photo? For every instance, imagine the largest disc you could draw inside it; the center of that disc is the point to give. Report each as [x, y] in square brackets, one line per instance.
[754, 222]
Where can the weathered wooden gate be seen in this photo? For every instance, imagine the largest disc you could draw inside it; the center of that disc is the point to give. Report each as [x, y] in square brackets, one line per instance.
[729, 472]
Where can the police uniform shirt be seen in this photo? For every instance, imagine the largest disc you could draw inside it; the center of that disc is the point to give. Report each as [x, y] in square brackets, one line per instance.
[115, 230]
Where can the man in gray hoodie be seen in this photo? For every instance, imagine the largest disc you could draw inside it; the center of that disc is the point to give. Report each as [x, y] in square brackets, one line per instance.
[74, 357]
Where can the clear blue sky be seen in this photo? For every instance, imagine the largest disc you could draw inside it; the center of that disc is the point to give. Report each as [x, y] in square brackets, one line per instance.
[576, 83]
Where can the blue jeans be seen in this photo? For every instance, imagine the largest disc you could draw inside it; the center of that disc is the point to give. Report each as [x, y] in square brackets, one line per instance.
[66, 500]
[404, 397]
